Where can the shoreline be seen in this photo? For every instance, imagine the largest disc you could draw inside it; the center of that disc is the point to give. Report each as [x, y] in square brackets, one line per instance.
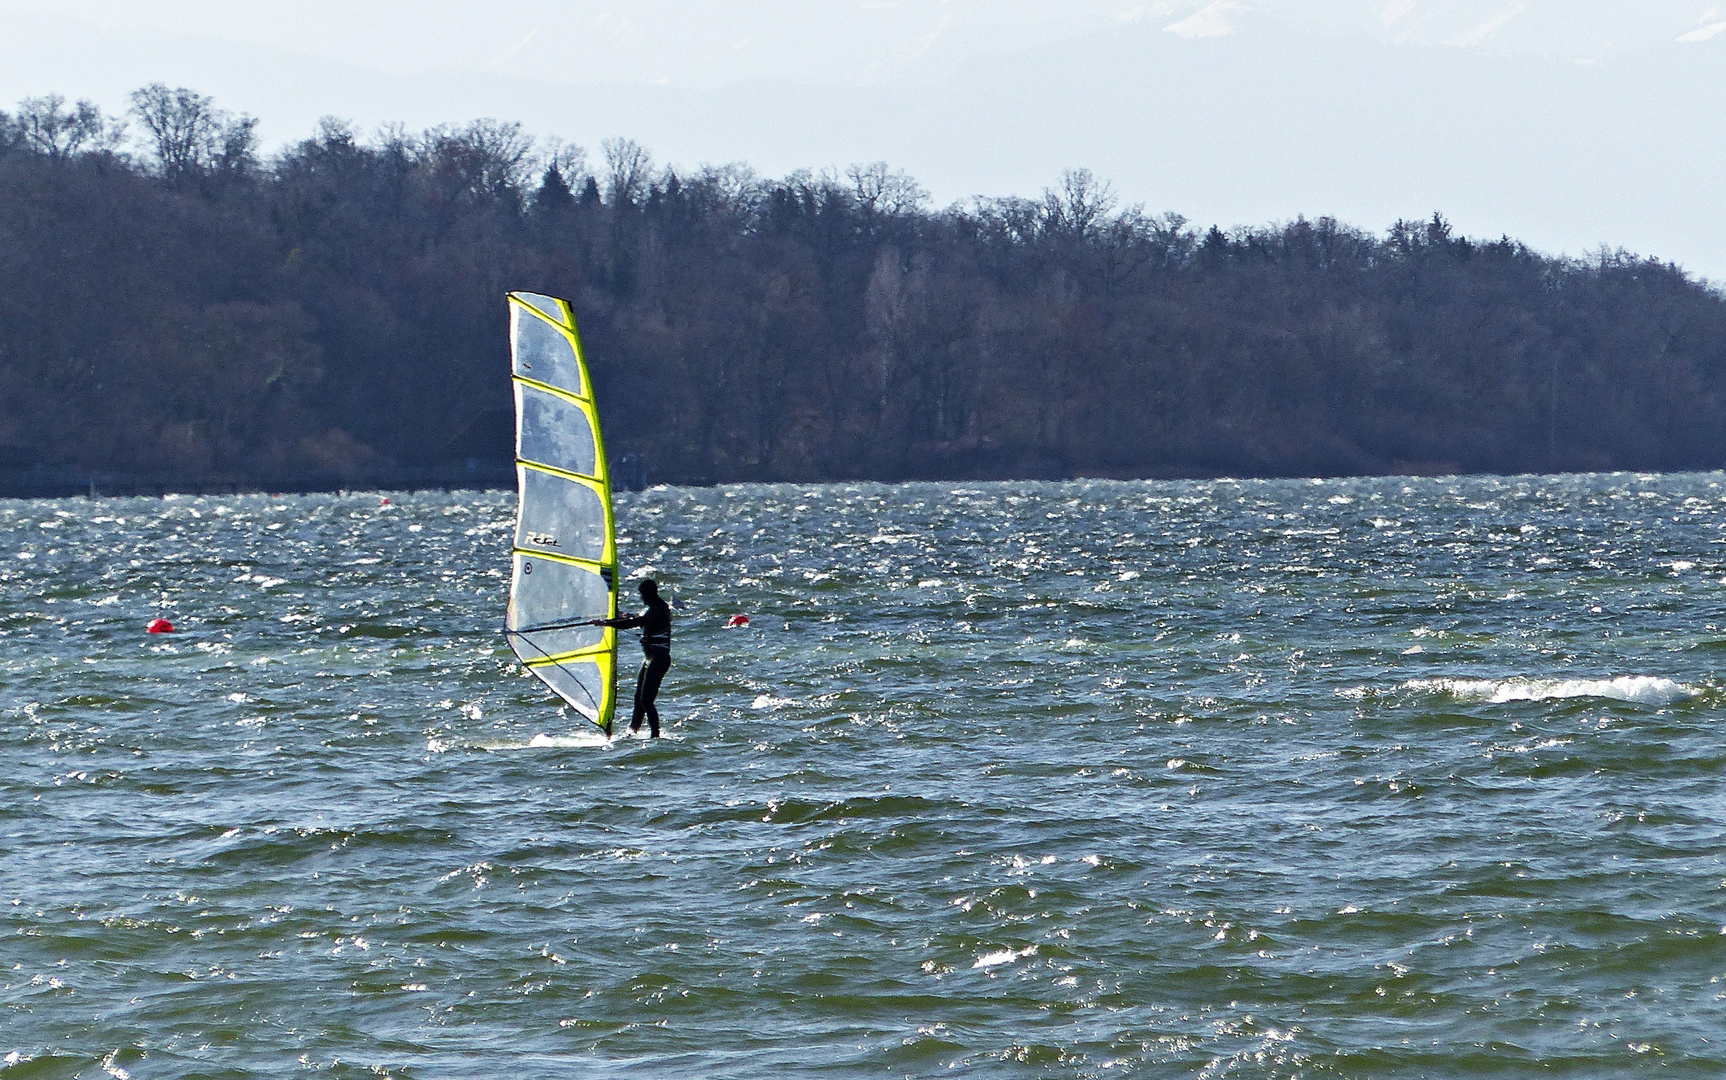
[64, 483]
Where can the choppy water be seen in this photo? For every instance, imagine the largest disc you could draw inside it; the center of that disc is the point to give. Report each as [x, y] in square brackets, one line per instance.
[1379, 778]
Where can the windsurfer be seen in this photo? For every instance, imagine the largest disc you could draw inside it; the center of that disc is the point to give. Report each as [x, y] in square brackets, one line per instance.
[655, 624]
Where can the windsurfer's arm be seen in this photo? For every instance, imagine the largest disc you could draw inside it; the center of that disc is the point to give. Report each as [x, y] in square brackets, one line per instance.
[622, 622]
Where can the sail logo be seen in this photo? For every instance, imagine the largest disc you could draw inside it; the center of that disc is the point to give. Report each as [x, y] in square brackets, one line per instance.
[542, 539]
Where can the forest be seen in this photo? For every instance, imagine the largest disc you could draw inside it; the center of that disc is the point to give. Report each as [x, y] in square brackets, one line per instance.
[176, 303]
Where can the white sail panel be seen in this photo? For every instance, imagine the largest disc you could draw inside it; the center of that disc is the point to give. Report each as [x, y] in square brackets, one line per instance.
[546, 353]
[559, 516]
[555, 431]
[579, 680]
[553, 599]
[565, 550]
[551, 308]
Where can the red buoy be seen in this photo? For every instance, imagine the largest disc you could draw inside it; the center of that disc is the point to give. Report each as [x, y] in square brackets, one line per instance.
[159, 626]
[737, 620]
[386, 502]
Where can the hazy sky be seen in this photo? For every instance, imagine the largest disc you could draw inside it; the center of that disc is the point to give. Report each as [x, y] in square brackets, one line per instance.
[1567, 123]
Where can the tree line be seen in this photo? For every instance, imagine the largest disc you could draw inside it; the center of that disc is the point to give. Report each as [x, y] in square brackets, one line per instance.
[175, 302]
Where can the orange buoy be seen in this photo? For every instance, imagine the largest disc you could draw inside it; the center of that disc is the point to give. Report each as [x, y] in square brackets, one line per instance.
[159, 626]
[737, 620]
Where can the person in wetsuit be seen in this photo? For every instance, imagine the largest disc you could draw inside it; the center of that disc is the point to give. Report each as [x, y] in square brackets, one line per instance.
[655, 624]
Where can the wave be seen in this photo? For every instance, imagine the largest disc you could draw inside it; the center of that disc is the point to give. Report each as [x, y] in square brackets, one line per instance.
[1642, 689]
[586, 738]
[541, 741]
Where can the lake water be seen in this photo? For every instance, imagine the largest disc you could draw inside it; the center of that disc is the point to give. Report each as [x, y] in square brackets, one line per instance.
[1363, 778]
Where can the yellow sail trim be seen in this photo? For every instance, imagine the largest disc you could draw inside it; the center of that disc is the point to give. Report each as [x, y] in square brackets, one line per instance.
[569, 560]
[593, 482]
[592, 651]
[566, 324]
[583, 403]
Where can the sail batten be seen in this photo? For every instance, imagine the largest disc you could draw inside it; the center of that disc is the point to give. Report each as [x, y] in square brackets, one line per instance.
[565, 551]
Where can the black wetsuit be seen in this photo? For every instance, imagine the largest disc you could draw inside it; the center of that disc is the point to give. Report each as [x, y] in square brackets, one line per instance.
[655, 623]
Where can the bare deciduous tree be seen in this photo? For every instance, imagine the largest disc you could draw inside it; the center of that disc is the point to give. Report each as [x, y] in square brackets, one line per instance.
[883, 192]
[49, 127]
[486, 159]
[1013, 219]
[568, 159]
[628, 171]
[189, 136]
[1079, 208]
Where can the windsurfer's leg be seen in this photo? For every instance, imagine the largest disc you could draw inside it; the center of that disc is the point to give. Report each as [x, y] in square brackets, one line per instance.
[647, 688]
[640, 684]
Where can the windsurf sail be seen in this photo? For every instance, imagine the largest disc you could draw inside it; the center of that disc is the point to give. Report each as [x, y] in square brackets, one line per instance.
[565, 554]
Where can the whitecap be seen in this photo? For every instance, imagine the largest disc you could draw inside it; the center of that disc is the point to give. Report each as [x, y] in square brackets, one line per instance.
[543, 740]
[1642, 689]
[595, 739]
[111, 1066]
[1003, 956]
